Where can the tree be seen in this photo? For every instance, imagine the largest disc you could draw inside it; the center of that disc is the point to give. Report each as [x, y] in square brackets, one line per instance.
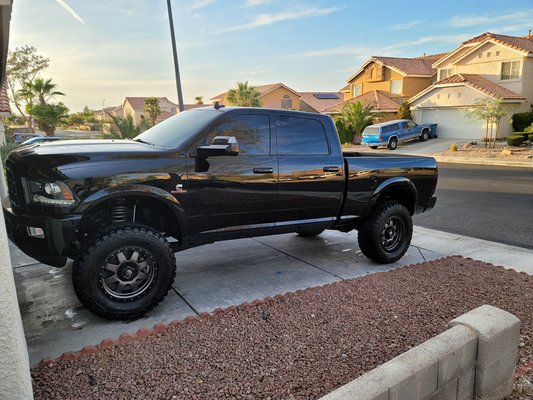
[127, 128]
[199, 100]
[491, 111]
[88, 115]
[151, 107]
[354, 118]
[41, 90]
[404, 112]
[49, 116]
[23, 66]
[76, 119]
[244, 96]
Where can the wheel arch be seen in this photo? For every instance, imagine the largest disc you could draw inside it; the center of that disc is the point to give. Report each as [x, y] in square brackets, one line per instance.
[399, 189]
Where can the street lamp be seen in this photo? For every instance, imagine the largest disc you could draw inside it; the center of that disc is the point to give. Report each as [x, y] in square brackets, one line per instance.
[175, 53]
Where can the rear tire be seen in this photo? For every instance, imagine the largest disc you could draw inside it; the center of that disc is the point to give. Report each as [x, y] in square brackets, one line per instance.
[124, 272]
[310, 233]
[393, 144]
[424, 136]
[374, 147]
[386, 234]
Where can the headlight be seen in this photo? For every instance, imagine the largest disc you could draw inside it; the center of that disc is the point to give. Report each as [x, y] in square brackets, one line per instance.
[51, 193]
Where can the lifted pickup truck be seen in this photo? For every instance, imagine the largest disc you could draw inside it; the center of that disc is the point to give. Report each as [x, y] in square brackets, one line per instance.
[121, 208]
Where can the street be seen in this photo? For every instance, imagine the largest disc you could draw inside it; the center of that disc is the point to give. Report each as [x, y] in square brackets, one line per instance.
[485, 202]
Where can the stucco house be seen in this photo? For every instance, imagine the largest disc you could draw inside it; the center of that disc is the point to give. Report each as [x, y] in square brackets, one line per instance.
[486, 66]
[5, 111]
[319, 101]
[380, 100]
[134, 106]
[274, 95]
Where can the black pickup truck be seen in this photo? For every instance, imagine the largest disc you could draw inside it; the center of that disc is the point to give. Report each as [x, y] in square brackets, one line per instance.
[121, 208]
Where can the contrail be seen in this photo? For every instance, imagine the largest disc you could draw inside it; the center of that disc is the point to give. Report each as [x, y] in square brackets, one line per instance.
[67, 8]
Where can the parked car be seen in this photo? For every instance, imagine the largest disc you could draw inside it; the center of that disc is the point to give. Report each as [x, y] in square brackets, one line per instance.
[19, 137]
[40, 139]
[391, 133]
[121, 208]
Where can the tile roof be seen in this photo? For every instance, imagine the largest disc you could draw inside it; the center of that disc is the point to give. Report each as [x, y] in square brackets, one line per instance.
[320, 105]
[138, 102]
[409, 66]
[521, 43]
[4, 100]
[380, 100]
[164, 115]
[263, 89]
[483, 85]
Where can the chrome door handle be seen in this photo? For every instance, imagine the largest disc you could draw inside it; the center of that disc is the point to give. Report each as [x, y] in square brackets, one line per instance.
[331, 169]
[263, 170]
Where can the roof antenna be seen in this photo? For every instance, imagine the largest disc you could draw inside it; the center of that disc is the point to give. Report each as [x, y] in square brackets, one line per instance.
[218, 105]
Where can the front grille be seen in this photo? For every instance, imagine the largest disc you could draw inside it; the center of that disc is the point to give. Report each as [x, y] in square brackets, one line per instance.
[14, 186]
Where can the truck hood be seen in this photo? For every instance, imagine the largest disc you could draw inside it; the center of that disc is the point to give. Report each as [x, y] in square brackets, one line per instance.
[86, 148]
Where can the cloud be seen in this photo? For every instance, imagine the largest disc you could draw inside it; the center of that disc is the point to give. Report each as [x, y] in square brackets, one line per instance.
[269, 19]
[407, 25]
[465, 21]
[196, 4]
[68, 9]
[254, 3]
[335, 51]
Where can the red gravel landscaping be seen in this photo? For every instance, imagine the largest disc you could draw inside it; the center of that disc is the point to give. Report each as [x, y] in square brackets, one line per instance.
[301, 345]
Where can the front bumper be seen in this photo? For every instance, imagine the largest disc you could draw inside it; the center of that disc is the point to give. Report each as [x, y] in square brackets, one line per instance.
[58, 233]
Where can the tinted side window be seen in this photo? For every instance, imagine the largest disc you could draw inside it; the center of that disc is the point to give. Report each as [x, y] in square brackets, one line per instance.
[395, 127]
[386, 129]
[251, 131]
[301, 136]
[411, 124]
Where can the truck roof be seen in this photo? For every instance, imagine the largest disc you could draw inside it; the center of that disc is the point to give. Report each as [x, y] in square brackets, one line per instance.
[394, 121]
[232, 108]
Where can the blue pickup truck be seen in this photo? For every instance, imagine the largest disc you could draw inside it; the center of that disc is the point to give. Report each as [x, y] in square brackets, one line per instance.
[391, 133]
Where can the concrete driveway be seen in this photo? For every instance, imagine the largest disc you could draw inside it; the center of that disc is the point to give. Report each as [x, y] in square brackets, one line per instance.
[224, 274]
[209, 277]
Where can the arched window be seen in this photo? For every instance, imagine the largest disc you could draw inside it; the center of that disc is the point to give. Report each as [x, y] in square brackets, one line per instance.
[372, 73]
[286, 102]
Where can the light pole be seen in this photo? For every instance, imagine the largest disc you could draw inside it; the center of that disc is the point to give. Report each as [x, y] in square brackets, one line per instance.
[175, 53]
[103, 109]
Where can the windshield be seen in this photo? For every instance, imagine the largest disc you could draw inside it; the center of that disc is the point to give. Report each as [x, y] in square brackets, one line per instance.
[174, 131]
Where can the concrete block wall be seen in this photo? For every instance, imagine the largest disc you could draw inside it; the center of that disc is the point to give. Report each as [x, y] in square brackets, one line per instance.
[473, 360]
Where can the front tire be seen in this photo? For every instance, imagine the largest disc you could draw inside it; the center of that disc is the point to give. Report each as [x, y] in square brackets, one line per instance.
[386, 234]
[124, 272]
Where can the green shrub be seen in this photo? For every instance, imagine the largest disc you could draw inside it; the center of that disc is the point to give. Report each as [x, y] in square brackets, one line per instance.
[523, 134]
[5, 149]
[515, 140]
[522, 120]
[453, 147]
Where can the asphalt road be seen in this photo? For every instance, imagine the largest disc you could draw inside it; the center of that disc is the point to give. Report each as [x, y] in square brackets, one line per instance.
[485, 202]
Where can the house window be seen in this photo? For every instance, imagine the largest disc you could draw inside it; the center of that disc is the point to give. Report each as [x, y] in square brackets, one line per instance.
[458, 95]
[357, 89]
[488, 54]
[480, 55]
[396, 86]
[497, 53]
[510, 70]
[286, 102]
[444, 73]
[372, 73]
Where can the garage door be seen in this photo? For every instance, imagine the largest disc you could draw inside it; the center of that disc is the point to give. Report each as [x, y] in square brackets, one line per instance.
[453, 123]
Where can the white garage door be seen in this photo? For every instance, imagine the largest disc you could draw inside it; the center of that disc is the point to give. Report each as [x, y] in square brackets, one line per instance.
[453, 123]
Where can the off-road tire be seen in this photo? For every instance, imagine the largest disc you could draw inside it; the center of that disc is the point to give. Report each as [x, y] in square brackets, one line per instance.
[90, 267]
[310, 233]
[393, 144]
[424, 136]
[376, 235]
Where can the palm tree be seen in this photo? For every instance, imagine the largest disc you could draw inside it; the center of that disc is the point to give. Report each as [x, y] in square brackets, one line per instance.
[151, 107]
[127, 127]
[354, 118]
[40, 89]
[244, 96]
[199, 100]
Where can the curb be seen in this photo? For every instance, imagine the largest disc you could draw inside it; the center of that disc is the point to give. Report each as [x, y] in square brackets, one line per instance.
[484, 161]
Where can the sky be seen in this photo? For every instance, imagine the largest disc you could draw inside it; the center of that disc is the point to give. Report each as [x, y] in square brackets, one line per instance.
[101, 51]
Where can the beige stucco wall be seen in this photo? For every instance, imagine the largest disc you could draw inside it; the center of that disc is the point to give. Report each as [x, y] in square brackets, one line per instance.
[273, 98]
[489, 67]
[410, 85]
[463, 97]
[164, 105]
[527, 81]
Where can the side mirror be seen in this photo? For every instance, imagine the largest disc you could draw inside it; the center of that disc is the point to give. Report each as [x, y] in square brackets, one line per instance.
[221, 146]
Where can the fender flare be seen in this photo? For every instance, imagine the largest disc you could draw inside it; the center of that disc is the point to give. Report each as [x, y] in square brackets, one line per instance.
[106, 194]
[393, 183]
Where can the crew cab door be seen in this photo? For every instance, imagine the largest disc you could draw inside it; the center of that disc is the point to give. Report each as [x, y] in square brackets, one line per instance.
[234, 192]
[409, 130]
[311, 167]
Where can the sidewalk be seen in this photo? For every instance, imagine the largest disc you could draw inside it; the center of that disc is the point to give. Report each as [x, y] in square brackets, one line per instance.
[225, 274]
